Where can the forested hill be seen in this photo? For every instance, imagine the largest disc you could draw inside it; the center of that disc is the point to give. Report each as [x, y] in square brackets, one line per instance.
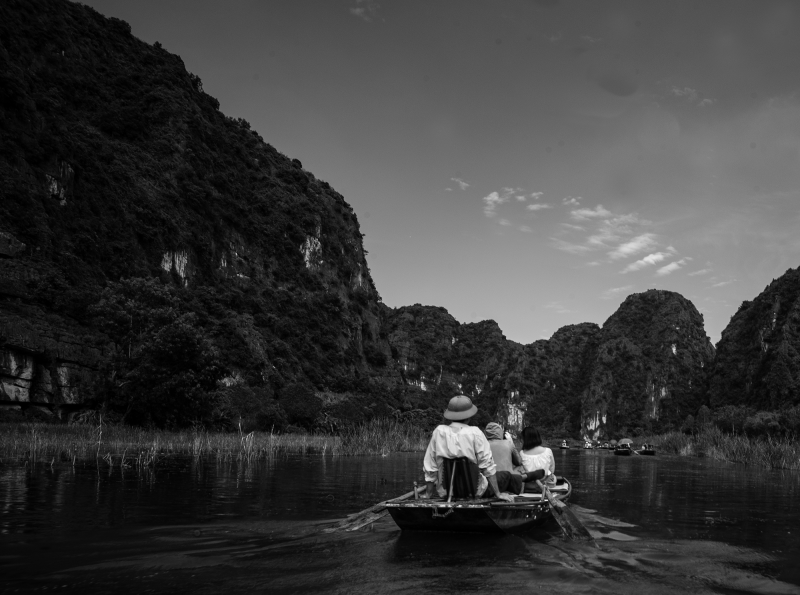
[115, 165]
[161, 263]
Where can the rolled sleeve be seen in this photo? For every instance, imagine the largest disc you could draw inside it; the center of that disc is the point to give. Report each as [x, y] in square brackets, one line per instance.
[430, 465]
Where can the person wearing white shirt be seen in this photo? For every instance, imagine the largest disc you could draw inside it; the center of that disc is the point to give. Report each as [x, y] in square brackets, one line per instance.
[461, 440]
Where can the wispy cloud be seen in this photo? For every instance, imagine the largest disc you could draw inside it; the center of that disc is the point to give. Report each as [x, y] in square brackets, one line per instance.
[700, 272]
[525, 228]
[365, 10]
[491, 202]
[590, 39]
[461, 183]
[572, 201]
[649, 260]
[571, 247]
[672, 267]
[536, 195]
[638, 244]
[573, 227]
[614, 292]
[505, 222]
[692, 96]
[558, 308]
[538, 206]
[723, 283]
[583, 214]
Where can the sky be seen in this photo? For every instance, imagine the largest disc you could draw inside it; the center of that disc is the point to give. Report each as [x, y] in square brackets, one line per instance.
[533, 162]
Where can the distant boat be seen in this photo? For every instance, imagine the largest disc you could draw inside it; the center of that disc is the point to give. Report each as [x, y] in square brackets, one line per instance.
[587, 446]
[624, 448]
[564, 445]
[648, 450]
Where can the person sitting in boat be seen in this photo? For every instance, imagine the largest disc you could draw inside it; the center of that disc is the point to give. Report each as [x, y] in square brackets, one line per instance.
[458, 440]
[537, 457]
[505, 454]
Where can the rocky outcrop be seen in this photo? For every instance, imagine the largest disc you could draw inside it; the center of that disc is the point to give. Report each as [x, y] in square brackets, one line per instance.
[114, 163]
[758, 355]
[650, 368]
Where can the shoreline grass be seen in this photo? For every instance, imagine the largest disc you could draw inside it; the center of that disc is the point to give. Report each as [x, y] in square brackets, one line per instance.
[130, 446]
[712, 443]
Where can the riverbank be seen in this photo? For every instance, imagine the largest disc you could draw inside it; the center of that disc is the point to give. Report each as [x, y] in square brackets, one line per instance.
[712, 443]
[130, 446]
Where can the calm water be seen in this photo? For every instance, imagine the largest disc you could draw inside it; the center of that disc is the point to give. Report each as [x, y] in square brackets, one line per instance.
[663, 525]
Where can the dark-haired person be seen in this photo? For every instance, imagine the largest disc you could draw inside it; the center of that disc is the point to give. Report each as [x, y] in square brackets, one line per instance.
[456, 440]
[536, 457]
[507, 458]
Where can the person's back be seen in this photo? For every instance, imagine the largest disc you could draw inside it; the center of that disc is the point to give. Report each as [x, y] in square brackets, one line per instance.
[535, 456]
[504, 452]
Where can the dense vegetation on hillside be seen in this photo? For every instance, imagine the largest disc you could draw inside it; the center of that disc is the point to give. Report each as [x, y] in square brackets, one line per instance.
[116, 165]
[161, 262]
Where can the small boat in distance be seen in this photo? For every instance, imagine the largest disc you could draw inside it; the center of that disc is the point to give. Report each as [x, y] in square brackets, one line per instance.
[564, 445]
[587, 445]
[478, 515]
[624, 448]
[648, 450]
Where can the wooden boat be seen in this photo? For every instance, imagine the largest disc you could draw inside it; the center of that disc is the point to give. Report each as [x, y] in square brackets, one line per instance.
[485, 515]
[564, 445]
[623, 450]
[647, 450]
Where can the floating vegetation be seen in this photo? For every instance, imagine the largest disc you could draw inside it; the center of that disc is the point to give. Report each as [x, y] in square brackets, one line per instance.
[767, 452]
[136, 447]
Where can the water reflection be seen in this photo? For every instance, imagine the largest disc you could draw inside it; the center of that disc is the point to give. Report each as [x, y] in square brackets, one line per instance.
[663, 524]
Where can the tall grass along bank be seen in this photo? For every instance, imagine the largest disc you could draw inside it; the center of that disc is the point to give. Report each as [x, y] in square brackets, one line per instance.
[129, 446]
[767, 453]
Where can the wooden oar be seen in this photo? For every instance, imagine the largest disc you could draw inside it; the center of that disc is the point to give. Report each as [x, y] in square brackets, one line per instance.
[572, 527]
[369, 515]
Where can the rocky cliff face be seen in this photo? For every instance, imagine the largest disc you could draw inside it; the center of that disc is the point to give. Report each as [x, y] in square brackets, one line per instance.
[645, 369]
[758, 355]
[650, 367]
[114, 163]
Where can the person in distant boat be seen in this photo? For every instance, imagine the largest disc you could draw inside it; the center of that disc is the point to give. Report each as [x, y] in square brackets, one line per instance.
[505, 454]
[536, 457]
[461, 440]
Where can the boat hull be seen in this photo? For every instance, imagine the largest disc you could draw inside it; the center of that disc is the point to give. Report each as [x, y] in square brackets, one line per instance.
[623, 452]
[647, 453]
[474, 516]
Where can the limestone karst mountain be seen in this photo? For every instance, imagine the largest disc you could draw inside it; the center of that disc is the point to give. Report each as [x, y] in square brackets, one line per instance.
[758, 355]
[115, 164]
[160, 260]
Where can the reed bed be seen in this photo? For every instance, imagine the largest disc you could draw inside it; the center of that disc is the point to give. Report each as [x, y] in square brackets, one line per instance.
[767, 453]
[136, 447]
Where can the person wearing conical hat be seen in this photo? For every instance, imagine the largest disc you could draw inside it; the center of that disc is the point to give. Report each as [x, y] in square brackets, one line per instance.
[457, 439]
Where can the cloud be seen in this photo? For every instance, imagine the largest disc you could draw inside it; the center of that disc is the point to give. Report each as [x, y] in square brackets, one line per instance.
[573, 227]
[491, 202]
[570, 247]
[558, 308]
[364, 10]
[572, 201]
[448, 189]
[672, 267]
[723, 283]
[505, 222]
[461, 183]
[525, 228]
[638, 244]
[495, 199]
[700, 272]
[538, 206]
[647, 261]
[615, 291]
[536, 195]
[590, 39]
[691, 96]
[584, 214]
[706, 102]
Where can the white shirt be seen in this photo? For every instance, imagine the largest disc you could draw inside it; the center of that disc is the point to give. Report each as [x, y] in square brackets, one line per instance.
[458, 440]
[543, 460]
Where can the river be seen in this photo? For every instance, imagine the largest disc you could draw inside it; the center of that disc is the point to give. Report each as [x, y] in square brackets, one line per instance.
[662, 525]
